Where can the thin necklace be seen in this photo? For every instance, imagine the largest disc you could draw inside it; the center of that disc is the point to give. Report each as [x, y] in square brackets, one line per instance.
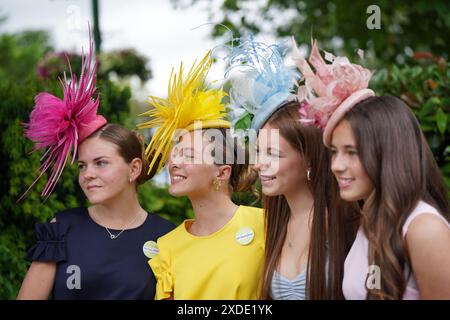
[115, 236]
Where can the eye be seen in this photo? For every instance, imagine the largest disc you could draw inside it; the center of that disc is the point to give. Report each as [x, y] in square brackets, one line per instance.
[81, 166]
[188, 154]
[274, 154]
[352, 152]
[101, 163]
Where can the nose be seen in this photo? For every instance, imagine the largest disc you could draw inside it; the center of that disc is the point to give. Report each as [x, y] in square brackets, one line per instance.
[338, 164]
[89, 173]
[261, 162]
[173, 163]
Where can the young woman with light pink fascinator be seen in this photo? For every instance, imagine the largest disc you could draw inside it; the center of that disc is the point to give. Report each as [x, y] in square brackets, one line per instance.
[381, 161]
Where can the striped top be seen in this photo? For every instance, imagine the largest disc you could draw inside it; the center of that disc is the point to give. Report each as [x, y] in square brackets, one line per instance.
[283, 288]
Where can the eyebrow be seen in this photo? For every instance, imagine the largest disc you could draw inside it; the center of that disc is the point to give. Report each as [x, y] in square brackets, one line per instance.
[189, 149]
[96, 159]
[347, 146]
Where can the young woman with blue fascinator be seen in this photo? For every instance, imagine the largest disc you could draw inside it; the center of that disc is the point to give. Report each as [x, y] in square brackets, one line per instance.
[304, 218]
[382, 162]
[99, 252]
[219, 253]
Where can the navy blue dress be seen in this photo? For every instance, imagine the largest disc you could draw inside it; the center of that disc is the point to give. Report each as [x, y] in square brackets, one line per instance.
[90, 265]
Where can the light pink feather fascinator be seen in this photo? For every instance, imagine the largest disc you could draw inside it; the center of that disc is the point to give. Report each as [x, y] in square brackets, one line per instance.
[329, 91]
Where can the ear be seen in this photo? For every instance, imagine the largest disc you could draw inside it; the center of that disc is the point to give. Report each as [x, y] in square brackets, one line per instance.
[135, 169]
[224, 172]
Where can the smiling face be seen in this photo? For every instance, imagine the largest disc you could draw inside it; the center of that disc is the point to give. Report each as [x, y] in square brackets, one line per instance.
[191, 167]
[281, 167]
[103, 173]
[354, 183]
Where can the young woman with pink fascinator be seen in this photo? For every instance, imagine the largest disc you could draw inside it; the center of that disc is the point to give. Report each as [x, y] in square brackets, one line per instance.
[305, 245]
[99, 252]
[381, 161]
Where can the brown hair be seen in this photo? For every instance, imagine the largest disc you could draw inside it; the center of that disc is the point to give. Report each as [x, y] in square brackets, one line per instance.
[397, 159]
[243, 175]
[332, 230]
[130, 145]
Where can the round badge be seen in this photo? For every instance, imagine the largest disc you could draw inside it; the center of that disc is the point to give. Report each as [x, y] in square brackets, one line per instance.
[245, 235]
[150, 249]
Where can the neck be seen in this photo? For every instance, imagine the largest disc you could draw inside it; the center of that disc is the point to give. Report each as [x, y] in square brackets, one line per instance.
[300, 203]
[120, 209]
[212, 211]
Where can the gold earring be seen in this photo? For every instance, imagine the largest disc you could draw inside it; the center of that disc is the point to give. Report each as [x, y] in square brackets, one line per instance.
[217, 184]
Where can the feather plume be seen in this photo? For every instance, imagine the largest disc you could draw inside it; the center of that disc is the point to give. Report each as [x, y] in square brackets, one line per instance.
[188, 101]
[59, 125]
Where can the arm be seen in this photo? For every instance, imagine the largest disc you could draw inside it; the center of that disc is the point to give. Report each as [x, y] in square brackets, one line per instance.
[428, 242]
[38, 282]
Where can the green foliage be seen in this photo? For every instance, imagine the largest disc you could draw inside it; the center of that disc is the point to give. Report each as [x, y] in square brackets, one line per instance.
[158, 200]
[404, 26]
[13, 268]
[244, 122]
[126, 62]
[20, 53]
[424, 85]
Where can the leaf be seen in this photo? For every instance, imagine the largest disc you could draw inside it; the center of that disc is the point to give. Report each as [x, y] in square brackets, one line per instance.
[244, 122]
[441, 121]
[428, 106]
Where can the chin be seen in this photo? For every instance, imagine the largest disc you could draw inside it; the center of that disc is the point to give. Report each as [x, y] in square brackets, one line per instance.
[271, 192]
[350, 197]
[98, 199]
[176, 192]
[95, 200]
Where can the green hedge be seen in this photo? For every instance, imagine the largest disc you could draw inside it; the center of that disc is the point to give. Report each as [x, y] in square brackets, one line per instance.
[424, 85]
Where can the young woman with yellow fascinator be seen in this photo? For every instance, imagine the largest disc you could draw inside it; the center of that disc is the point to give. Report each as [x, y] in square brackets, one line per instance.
[219, 254]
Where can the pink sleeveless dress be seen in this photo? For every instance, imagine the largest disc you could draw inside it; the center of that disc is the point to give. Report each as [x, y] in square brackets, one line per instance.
[356, 264]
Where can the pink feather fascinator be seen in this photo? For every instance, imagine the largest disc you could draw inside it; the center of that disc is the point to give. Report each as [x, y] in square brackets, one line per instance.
[329, 91]
[59, 126]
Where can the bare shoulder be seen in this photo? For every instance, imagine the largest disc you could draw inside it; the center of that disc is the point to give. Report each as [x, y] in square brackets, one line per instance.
[428, 228]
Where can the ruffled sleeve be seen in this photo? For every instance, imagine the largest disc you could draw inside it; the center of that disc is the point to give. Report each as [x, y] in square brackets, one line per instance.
[161, 268]
[51, 243]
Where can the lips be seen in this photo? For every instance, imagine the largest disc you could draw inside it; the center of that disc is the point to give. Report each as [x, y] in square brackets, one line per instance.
[345, 182]
[93, 188]
[266, 179]
[176, 178]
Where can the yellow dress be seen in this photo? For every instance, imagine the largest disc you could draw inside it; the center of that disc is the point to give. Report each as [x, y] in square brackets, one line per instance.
[227, 264]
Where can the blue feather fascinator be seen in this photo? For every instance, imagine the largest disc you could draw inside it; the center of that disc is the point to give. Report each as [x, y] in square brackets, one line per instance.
[260, 82]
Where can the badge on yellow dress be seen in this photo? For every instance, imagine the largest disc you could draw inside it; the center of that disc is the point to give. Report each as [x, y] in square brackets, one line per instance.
[150, 249]
[245, 235]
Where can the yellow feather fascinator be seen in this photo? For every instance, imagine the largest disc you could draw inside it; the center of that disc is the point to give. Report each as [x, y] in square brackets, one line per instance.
[189, 105]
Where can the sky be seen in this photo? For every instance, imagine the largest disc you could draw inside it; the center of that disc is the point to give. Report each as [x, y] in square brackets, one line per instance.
[153, 27]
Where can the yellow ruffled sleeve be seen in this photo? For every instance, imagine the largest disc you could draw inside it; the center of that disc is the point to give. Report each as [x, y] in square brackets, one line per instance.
[161, 268]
